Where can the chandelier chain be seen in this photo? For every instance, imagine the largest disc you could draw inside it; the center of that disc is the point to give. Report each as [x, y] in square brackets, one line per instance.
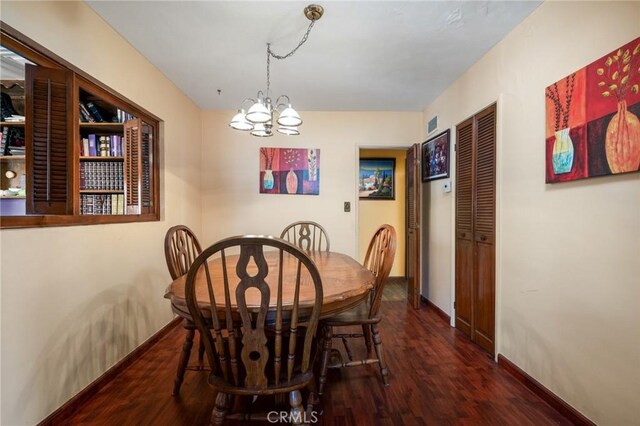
[295, 49]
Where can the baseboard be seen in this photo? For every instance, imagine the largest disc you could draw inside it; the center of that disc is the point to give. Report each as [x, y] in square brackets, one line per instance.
[573, 415]
[442, 314]
[61, 414]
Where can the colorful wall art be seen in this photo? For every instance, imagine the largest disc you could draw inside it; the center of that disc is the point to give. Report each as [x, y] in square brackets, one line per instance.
[289, 171]
[592, 126]
[376, 179]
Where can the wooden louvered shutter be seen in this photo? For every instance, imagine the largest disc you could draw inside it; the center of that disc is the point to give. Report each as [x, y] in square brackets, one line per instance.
[132, 165]
[484, 229]
[48, 139]
[464, 226]
[146, 178]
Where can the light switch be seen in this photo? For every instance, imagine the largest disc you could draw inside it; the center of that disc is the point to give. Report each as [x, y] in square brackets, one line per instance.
[446, 185]
[347, 206]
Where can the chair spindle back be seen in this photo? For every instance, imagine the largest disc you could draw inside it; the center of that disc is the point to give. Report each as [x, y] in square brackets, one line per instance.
[307, 235]
[181, 247]
[379, 260]
[245, 357]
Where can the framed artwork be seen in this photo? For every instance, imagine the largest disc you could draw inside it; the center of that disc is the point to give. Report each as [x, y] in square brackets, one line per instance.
[376, 179]
[289, 171]
[592, 127]
[435, 157]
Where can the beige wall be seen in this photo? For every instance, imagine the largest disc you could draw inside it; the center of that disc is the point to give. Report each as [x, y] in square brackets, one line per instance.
[231, 203]
[568, 275]
[75, 300]
[372, 214]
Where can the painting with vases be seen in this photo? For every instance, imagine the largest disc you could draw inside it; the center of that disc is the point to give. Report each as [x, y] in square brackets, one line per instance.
[289, 171]
[592, 125]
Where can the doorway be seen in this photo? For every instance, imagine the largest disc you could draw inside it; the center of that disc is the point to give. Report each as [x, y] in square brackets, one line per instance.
[375, 211]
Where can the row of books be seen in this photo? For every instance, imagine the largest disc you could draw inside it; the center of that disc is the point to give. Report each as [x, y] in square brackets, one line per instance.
[90, 113]
[101, 146]
[109, 204]
[105, 175]
[12, 142]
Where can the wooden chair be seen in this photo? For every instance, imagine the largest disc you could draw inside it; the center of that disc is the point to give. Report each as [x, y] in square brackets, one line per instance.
[307, 235]
[244, 360]
[379, 260]
[181, 247]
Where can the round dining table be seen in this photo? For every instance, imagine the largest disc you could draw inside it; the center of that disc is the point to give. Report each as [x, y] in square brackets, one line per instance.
[345, 283]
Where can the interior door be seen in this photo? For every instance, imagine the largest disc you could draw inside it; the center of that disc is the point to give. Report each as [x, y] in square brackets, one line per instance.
[413, 225]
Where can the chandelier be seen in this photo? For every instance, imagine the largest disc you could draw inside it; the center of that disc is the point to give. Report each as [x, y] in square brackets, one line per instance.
[259, 118]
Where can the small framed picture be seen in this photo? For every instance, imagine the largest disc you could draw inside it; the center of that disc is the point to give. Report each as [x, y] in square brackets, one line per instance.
[376, 179]
[435, 157]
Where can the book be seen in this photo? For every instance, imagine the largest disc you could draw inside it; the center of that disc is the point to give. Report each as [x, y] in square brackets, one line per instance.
[85, 147]
[93, 147]
[85, 113]
[94, 111]
[3, 143]
[104, 146]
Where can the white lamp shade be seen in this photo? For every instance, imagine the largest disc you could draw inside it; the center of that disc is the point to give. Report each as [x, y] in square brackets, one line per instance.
[291, 131]
[289, 118]
[262, 130]
[258, 113]
[239, 122]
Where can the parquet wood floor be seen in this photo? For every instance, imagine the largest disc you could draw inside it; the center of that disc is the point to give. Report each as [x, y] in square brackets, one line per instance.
[437, 377]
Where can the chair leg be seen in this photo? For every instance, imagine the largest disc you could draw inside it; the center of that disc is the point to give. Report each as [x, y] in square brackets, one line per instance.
[201, 354]
[326, 350]
[184, 357]
[378, 344]
[366, 330]
[220, 410]
[297, 413]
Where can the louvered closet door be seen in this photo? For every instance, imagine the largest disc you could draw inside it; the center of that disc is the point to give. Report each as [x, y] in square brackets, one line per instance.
[464, 226]
[475, 227]
[48, 139]
[484, 227]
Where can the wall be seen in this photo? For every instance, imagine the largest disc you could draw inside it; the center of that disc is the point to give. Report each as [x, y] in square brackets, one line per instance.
[75, 300]
[568, 276]
[231, 203]
[372, 214]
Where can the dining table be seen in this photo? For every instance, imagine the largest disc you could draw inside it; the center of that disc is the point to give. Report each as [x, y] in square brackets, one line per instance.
[345, 284]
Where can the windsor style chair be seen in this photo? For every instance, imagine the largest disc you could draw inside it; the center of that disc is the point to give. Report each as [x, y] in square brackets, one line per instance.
[379, 260]
[307, 235]
[181, 247]
[257, 335]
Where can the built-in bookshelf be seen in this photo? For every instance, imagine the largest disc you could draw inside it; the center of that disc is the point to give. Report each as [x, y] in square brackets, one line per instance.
[74, 150]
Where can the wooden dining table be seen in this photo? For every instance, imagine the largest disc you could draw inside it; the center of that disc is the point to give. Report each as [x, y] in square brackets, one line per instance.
[345, 283]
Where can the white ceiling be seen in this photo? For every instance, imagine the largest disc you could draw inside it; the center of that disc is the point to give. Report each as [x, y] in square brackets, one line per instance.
[361, 56]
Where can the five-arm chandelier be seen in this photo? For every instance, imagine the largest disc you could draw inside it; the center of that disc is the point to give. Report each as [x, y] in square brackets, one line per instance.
[260, 116]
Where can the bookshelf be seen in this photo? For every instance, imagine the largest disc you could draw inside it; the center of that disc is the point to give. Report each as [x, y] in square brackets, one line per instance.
[56, 107]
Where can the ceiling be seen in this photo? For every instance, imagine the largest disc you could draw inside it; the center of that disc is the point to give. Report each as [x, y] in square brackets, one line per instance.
[361, 56]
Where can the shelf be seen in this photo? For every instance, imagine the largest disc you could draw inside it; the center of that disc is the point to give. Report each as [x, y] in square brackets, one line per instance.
[7, 197]
[11, 157]
[12, 123]
[97, 158]
[102, 127]
[101, 191]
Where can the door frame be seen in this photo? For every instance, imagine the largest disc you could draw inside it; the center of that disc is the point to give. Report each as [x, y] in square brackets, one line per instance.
[499, 101]
[356, 205]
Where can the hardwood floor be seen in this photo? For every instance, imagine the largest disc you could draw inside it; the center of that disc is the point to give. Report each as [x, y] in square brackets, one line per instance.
[437, 377]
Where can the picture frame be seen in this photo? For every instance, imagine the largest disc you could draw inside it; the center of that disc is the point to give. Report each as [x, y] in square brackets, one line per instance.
[436, 157]
[377, 179]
